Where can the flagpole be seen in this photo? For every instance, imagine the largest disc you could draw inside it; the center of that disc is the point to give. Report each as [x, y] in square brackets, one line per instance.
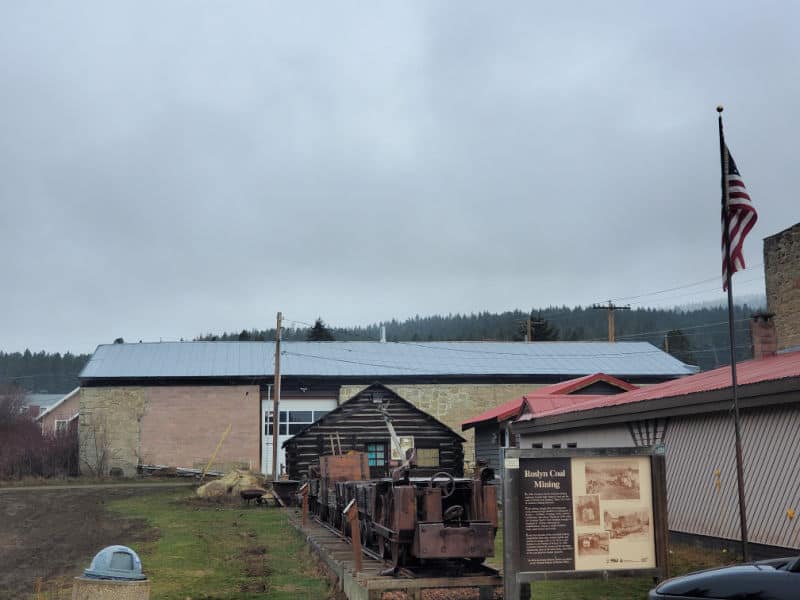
[723, 155]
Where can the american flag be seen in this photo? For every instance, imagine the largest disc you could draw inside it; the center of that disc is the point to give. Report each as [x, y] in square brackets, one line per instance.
[742, 216]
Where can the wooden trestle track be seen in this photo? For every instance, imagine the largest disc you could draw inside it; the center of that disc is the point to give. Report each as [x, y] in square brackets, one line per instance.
[418, 583]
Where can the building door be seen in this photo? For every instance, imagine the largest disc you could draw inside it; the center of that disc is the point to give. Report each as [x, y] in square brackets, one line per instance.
[293, 417]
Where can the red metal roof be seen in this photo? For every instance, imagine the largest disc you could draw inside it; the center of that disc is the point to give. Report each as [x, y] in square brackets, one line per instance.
[542, 398]
[760, 370]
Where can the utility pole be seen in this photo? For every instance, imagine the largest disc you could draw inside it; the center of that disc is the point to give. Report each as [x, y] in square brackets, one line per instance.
[276, 398]
[611, 307]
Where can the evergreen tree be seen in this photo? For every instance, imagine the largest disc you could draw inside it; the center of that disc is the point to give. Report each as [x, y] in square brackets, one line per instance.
[320, 332]
[679, 346]
[542, 331]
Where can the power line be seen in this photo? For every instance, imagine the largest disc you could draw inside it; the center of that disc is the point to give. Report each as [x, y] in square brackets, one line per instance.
[645, 333]
[672, 289]
[529, 356]
[353, 362]
[695, 292]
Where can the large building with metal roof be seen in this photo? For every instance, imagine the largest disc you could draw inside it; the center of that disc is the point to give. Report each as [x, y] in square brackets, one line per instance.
[169, 403]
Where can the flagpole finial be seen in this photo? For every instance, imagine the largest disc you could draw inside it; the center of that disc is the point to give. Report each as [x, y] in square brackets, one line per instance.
[720, 108]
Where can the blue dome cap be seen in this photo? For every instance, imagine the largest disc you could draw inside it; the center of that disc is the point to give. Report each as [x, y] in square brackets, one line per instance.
[115, 562]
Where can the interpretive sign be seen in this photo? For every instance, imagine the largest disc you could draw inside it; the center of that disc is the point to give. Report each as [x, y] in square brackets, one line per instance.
[583, 512]
[545, 514]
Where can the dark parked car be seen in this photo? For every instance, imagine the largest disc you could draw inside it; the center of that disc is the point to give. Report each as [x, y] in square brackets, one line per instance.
[776, 579]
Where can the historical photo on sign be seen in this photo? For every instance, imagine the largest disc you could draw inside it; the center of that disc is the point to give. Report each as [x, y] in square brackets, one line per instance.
[613, 515]
[587, 511]
[596, 544]
[621, 524]
[618, 480]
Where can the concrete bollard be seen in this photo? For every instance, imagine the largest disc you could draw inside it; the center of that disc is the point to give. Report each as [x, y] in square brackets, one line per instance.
[85, 588]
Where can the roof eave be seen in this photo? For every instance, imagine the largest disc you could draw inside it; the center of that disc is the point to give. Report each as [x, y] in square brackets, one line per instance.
[765, 393]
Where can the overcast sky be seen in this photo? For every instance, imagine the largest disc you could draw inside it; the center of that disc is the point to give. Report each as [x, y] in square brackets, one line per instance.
[174, 168]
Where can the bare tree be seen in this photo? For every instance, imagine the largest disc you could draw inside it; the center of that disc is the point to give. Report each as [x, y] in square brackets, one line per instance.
[95, 449]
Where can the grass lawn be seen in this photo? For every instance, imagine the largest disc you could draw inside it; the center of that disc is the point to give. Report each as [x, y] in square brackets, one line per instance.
[211, 551]
[683, 559]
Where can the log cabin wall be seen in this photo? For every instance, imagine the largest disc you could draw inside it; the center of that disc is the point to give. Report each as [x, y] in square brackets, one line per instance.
[360, 426]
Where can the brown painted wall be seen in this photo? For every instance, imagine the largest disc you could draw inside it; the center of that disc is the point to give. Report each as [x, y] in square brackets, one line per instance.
[782, 278]
[63, 412]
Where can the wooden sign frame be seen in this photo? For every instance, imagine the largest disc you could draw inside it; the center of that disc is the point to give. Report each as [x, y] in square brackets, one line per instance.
[523, 545]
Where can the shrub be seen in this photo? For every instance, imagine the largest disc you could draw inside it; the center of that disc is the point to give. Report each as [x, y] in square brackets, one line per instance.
[25, 451]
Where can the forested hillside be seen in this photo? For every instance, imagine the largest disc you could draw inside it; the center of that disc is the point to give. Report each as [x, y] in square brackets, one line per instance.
[698, 336]
[41, 372]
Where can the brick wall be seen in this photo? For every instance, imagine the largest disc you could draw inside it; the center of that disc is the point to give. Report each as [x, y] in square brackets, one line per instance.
[453, 404]
[164, 425]
[183, 425]
[782, 277]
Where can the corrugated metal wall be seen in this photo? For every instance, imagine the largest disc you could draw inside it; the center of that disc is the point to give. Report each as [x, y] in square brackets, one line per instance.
[486, 445]
[702, 502]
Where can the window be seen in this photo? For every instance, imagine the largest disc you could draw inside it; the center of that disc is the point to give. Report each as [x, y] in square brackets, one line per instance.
[376, 452]
[61, 426]
[556, 446]
[502, 438]
[572, 444]
[427, 457]
[536, 445]
[291, 422]
[281, 423]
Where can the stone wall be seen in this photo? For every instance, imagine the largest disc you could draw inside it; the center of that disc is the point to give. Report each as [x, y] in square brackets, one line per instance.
[453, 404]
[108, 429]
[180, 426]
[782, 277]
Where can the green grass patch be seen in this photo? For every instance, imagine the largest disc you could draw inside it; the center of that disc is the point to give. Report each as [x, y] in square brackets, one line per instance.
[683, 559]
[215, 551]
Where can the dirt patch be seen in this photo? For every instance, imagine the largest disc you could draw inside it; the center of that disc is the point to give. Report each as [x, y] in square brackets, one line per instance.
[254, 559]
[54, 534]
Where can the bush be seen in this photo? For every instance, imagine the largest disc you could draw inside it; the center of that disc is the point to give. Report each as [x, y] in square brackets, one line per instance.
[25, 451]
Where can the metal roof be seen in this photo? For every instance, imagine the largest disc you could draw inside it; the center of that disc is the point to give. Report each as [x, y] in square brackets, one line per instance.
[542, 398]
[781, 366]
[377, 359]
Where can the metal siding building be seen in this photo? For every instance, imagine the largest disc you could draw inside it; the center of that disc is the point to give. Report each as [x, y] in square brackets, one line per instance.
[493, 428]
[701, 475]
[692, 418]
[487, 446]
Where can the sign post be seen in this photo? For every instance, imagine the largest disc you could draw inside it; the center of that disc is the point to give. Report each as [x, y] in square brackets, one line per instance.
[579, 513]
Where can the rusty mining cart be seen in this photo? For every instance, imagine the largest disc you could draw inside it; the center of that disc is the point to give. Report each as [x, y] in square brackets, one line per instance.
[409, 521]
